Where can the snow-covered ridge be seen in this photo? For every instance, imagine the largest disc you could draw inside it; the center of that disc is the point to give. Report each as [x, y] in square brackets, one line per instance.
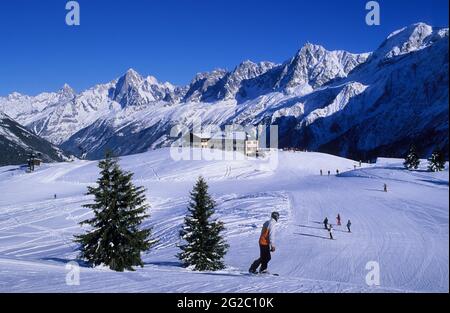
[409, 39]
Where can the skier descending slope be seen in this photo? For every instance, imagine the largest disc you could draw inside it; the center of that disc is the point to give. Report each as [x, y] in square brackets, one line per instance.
[348, 226]
[325, 223]
[266, 245]
[330, 231]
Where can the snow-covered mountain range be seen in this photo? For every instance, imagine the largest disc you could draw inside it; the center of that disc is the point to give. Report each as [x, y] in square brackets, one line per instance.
[353, 105]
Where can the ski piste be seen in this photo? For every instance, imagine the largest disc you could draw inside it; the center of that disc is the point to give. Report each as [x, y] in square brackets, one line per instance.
[306, 259]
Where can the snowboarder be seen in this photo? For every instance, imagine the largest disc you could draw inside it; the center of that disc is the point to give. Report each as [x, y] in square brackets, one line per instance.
[266, 245]
[385, 188]
[330, 231]
[348, 226]
[338, 219]
[325, 222]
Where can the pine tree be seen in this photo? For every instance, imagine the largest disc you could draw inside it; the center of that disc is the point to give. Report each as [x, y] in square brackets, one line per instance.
[204, 248]
[436, 162]
[119, 208]
[412, 160]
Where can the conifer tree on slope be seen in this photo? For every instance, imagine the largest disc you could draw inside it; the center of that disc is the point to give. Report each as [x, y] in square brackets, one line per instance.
[115, 239]
[204, 248]
[436, 162]
[412, 160]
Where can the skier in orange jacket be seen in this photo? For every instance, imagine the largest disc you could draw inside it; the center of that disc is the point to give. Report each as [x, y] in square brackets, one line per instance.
[266, 245]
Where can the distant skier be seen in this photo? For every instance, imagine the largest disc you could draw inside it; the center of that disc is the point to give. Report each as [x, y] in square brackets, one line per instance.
[385, 188]
[330, 231]
[348, 226]
[325, 222]
[337, 172]
[321, 173]
[54, 196]
[266, 245]
[338, 219]
[329, 173]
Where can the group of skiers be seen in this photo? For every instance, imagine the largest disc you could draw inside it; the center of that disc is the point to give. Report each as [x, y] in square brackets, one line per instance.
[337, 171]
[329, 227]
[329, 172]
[267, 241]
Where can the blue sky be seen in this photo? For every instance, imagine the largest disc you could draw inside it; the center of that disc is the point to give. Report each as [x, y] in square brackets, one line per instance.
[174, 39]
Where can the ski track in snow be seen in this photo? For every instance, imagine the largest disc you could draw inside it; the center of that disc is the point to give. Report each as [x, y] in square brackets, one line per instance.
[405, 230]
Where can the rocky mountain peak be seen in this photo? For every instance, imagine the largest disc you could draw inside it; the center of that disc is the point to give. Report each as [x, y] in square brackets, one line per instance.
[314, 65]
[67, 91]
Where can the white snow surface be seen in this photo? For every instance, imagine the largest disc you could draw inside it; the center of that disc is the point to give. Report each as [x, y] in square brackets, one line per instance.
[405, 230]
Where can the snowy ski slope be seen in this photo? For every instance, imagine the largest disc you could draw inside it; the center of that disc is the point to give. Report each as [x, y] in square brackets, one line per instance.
[404, 230]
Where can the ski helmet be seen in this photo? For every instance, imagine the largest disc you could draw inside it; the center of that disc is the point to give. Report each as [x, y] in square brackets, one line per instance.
[275, 216]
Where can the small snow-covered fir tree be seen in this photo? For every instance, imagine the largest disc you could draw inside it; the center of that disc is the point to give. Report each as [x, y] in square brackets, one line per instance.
[119, 207]
[412, 160]
[436, 162]
[205, 248]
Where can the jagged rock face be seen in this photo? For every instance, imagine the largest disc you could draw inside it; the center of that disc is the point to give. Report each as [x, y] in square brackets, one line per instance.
[312, 67]
[133, 89]
[222, 85]
[355, 105]
[204, 86]
[316, 66]
[16, 143]
[245, 71]
[126, 91]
